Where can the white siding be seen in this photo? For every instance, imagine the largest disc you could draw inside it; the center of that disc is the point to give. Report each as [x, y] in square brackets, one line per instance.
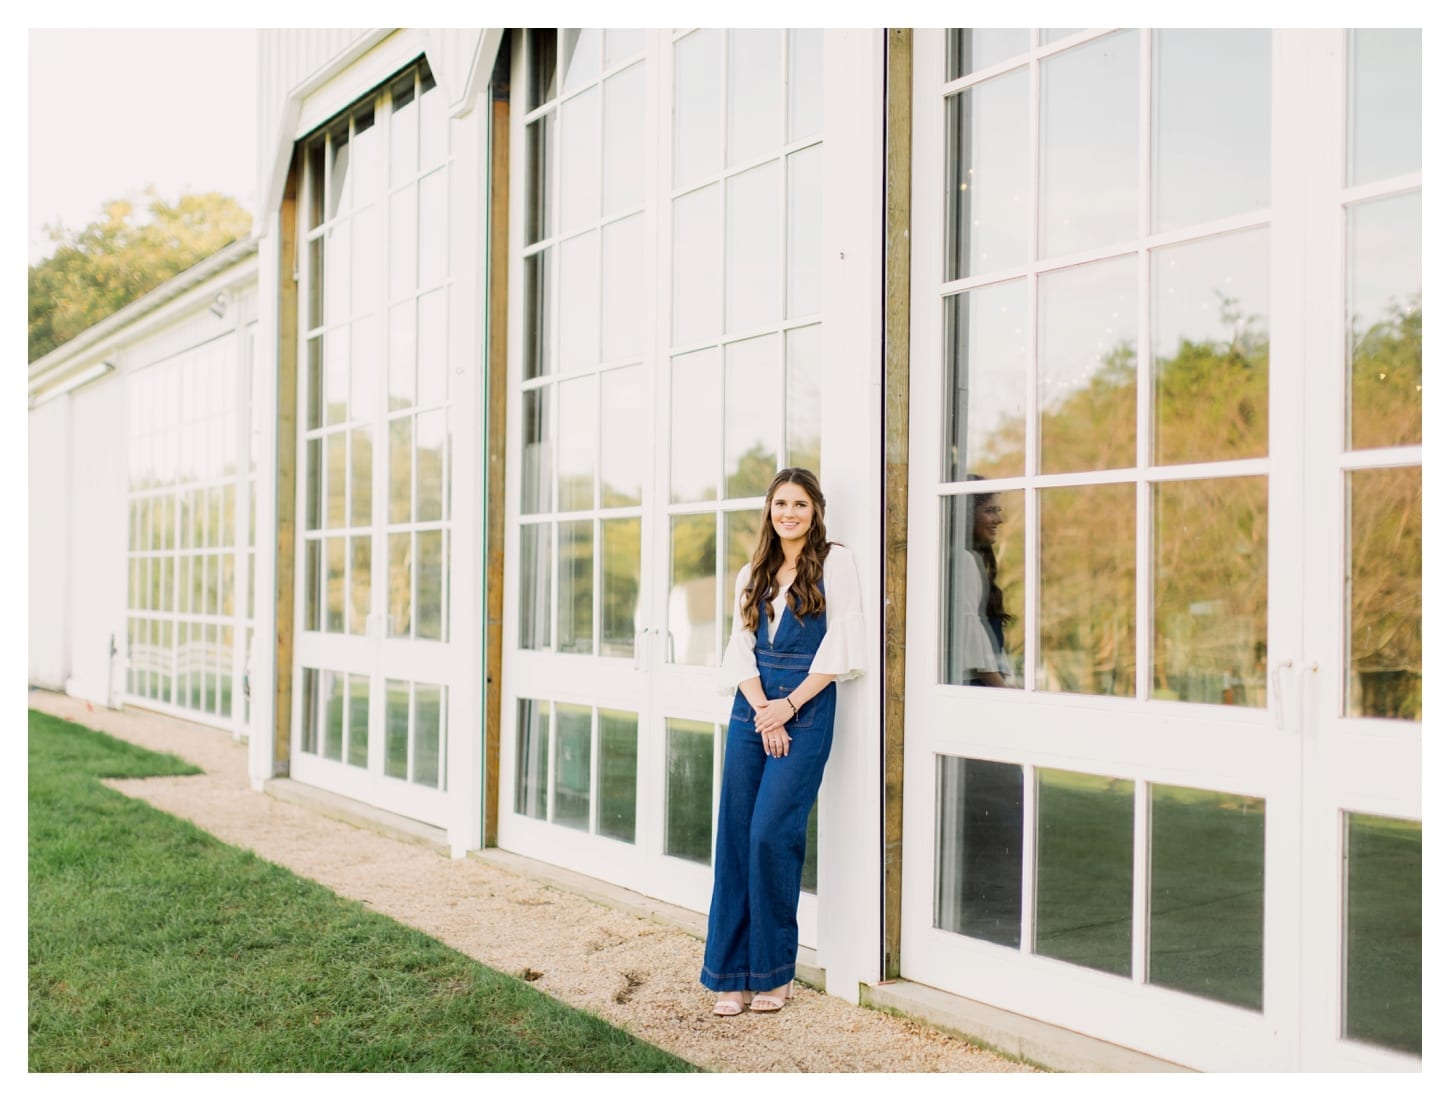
[48, 434]
[98, 528]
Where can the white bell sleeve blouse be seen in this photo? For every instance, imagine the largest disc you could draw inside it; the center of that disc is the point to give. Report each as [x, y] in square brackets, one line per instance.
[842, 652]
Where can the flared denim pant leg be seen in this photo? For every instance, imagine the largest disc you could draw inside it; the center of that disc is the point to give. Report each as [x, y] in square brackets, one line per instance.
[760, 845]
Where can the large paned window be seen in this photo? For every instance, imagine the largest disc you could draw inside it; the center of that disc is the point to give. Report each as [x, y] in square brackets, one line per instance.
[1380, 470]
[588, 290]
[745, 328]
[1104, 478]
[1106, 312]
[375, 436]
[184, 620]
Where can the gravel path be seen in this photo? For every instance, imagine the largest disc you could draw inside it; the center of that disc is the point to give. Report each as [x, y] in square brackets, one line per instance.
[636, 973]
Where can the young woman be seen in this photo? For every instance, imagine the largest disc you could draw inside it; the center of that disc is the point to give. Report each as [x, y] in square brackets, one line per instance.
[798, 630]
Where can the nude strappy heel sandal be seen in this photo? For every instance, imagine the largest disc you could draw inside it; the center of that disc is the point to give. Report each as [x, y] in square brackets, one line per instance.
[771, 1003]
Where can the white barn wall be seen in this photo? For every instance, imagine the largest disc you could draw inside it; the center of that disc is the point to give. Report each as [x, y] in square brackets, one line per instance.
[98, 532]
[48, 435]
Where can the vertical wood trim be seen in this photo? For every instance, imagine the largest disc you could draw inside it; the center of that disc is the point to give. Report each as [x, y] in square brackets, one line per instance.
[495, 415]
[896, 307]
[286, 486]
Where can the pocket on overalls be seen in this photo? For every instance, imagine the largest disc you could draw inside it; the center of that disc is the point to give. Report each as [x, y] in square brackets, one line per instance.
[742, 712]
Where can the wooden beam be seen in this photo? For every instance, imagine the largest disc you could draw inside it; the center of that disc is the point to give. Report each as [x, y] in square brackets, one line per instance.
[495, 411]
[286, 485]
[896, 353]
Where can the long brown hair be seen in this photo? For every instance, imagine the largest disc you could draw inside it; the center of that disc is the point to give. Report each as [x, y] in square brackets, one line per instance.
[805, 596]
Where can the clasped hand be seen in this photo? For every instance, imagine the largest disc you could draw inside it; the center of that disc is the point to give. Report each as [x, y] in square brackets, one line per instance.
[770, 720]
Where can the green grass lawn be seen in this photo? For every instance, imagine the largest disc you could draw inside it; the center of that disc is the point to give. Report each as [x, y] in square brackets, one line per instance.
[155, 947]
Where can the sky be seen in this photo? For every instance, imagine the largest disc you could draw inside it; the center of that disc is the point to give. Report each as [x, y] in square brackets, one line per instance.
[112, 111]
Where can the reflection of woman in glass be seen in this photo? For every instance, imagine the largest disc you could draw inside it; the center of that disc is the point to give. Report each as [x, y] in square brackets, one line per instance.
[783, 661]
[983, 644]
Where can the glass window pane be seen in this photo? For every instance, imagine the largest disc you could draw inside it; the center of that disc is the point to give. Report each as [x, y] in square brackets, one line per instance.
[579, 295]
[312, 587]
[691, 631]
[578, 431]
[690, 781]
[539, 216]
[538, 467]
[970, 50]
[368, 166]
[538, 296]
[619, 586]
[697, 138]
[531, 759]
[336, 360]
[400, 470]
[1085, 870]
[986, 342]
[624, 280]
[753, 253]
[367, 366]
[1087, 608]
[618, 768]
[428, 709]
[1210, 124]
[333, 694]
[1210, 590]
[338, 260]
[1384, 323]
[400, 585]
[1054, 35]
[1383, 625]
[572, 766]
[1206, 890]
[1087, 366]
[621, 45]
[579, 162]
[624, 451]
[1211, 349]
[433, 347]
[754, 106]
[624, 149]
[361, 471]
[742, 531]
[309, 705]
[357, 720]
[1384, 869]
[697, 266]
[576, 587]
[403, 242]
[336, 583]
[803, 232]
[695, 403]
[1384, 104]
[395, 723]
[433, 124]
[403, 152]
[805, 83]
[536, 549]
[1089, 188]
[402, 355]
[802, 398]
[581, 56]
[752, 415]
[339, 194]
[367, 261]
[979, 849]
[316, 174]
[982, 558]
[430, 457]
[432, 572]
[360, 588]
[543, 65]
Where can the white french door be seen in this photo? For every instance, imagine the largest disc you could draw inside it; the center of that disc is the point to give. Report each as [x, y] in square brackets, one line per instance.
[667, 361]
[1114, 359]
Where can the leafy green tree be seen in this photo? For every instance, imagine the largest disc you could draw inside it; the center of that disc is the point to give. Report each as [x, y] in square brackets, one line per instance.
[116, 259]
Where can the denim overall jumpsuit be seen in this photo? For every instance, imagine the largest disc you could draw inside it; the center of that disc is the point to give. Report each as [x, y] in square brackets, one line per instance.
[760, 839]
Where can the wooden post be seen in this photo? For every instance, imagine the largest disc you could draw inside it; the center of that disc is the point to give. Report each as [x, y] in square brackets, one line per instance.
[897, 347]
[286, 487]
[495, 417]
